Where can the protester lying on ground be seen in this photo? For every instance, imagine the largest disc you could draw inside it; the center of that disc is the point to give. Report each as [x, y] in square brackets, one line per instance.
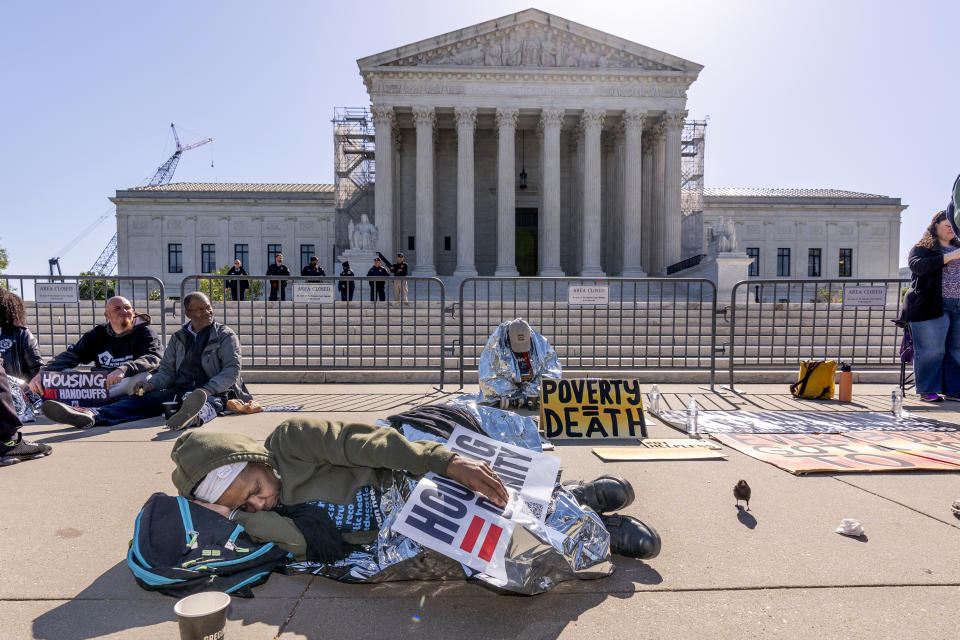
[19, 350]
[125, 345]
[315, 487]
[13, 448]
[513, 362]
[200, 369]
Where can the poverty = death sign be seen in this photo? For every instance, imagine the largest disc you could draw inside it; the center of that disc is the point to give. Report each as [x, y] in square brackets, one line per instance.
[592, 408]
[445, 516]
[76, 388]
[313, 292]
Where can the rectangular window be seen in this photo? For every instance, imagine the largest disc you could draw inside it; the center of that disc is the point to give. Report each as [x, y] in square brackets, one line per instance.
[306, 252]
[813, 263]
[846, 263]
[411, 245]
[241, 252]
[272, 251]
[754, 268]
[175, 258]
[208, 258]
[783, 262]
[446, 243]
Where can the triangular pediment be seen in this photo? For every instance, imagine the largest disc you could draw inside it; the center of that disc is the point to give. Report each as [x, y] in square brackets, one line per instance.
[530, 39]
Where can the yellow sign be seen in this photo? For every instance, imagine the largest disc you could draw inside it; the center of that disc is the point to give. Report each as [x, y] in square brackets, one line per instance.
[591, 408]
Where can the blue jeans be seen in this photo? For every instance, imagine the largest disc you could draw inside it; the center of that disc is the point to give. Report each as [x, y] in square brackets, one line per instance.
[129, 408]
[936, 351]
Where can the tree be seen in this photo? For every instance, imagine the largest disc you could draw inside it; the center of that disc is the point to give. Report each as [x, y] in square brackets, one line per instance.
[99, 288]
[216, 289]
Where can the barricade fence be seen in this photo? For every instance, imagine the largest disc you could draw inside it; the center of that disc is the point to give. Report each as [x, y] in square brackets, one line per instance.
[778, 323]
[330, 322]
[60, 309]
[611, 324]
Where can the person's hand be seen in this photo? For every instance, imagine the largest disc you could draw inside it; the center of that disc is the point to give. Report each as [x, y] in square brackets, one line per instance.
[479, 477]
[36, 385]
[144, 386]
[114, 377]
[219, 508]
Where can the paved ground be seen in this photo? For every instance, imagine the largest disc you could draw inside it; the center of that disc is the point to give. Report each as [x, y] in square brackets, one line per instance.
[779, 571]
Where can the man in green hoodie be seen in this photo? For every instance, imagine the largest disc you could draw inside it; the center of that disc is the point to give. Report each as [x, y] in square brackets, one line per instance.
[341, 470]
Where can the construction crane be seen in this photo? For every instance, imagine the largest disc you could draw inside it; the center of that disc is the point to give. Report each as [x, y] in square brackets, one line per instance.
[107, 261]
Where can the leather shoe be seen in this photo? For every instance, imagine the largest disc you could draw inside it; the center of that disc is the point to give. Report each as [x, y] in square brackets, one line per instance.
[606, 494]
[631, 538]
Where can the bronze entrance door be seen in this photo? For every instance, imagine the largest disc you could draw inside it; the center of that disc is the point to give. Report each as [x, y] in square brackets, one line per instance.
[526, 241]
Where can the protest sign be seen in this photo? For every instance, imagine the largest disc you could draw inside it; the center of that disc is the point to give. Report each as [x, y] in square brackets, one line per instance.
[76, 388]
[56, 292]
[804, 422]
[313, 292]
[638, 454]
[445, 516]
[591, 408]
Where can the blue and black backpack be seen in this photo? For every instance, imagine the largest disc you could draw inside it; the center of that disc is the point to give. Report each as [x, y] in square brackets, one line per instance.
[180, 548]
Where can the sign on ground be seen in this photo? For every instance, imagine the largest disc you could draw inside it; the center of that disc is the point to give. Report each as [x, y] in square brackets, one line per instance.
[592, 408]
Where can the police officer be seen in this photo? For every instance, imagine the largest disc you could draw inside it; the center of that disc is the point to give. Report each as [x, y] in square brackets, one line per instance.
[278, 286]
[313, 269]
[377, 287]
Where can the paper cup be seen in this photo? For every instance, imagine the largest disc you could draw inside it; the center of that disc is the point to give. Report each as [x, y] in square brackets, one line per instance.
[169, 408]
[203, 615]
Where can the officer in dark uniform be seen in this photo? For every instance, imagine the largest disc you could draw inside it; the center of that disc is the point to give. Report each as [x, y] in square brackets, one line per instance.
[400, 269]
[313, 269]
[278, 286]
[377, 287]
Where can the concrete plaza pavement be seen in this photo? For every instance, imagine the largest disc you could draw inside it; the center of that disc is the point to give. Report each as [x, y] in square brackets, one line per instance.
[777, 571]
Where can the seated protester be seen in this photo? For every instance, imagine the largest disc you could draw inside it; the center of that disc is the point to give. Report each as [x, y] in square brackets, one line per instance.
[125, 345]
[315, 485]
[201, 366]
[13, 448]
[19, 350]
[512, 364]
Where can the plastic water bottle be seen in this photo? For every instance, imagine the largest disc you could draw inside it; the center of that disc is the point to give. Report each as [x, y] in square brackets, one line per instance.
[896, 403]
[654, 399]
[692, 411]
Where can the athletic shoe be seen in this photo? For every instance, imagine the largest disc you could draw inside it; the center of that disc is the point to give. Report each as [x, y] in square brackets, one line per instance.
[931, 397]
[79, 417]
[630, 537]
[951, 397]
[189, 410]
[605, 494]
[18, 450]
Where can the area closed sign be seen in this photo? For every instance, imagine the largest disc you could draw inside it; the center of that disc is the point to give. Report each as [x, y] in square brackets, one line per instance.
[592, 408]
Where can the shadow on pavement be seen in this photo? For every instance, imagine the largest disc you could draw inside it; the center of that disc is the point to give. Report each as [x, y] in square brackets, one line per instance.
[746, 518]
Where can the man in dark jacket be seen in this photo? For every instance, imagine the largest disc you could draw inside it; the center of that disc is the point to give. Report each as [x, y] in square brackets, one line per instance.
[377, 287]
[399, 270]
[200, 368]
[237, 287]
[125, 345]
[278, 286]
[313, 269]
[346, 286]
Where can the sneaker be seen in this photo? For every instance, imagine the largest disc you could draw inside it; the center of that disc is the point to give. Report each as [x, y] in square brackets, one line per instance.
[605, 494]
[189, 410]
[79, 417]
[18, 450]
[631, 538]
[951, 397]
[931, 397]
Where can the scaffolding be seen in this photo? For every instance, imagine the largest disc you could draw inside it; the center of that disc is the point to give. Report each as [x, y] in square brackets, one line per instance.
[354, 167]
[691, 187]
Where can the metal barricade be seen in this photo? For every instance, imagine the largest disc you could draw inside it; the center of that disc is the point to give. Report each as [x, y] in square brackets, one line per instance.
[314, 328]
[60, 309]
[646, 323]
[778, 323]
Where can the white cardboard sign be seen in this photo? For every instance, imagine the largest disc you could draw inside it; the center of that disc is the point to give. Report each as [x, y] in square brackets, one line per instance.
[579, 294]
[313, 292]
[56, 292]
[864, 296]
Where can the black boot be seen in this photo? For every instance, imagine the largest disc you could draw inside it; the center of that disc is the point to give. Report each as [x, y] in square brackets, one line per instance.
[632, 538]
[605, 494]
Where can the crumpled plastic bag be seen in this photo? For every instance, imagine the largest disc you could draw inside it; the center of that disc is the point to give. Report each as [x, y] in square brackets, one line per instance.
[26, 403]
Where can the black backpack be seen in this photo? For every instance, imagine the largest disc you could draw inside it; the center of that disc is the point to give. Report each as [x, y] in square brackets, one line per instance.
[180, 548]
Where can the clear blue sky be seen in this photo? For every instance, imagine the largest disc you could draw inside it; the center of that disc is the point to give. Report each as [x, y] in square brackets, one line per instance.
[842, 94]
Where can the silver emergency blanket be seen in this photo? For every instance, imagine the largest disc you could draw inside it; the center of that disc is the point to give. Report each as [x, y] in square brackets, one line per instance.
[26, 403]
[571, 543]
[499, 372]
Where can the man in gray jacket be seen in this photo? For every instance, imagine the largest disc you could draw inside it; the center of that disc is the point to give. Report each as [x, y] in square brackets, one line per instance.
[200, 368]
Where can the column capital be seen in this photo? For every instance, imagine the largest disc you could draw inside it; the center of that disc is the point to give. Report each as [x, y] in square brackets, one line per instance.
[672, 119]
[424, 115]
[551, 118]
[465, 116]
[634, 118]
[658, 129]
[508, 118]
[593, 118]
[383, 114]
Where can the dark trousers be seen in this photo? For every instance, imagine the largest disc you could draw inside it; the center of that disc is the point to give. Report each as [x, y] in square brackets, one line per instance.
[9, 420]
[381, 291]
[236, 293]
[277, 286]
[344, 295]
[149, 405]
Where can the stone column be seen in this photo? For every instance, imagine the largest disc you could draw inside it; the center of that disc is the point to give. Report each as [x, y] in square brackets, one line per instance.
[383, 121]
[592, 123]
[506, 193]
[646, 232]
[657, 259]
[424, 117]
[672, 241]
[551, 120]
[633, 195]
[466, 123]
